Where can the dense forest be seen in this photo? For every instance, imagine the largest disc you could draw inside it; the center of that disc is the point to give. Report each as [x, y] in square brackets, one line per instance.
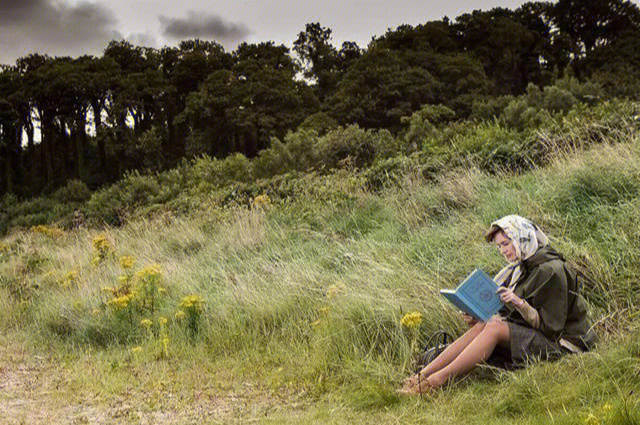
[92, 119]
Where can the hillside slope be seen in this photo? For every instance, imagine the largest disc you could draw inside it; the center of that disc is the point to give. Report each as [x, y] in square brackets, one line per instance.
[289, 310]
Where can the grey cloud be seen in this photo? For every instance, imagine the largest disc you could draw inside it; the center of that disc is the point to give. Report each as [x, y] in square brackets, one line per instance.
[201, 25]
[48, 26]
[12, 10]
[142, 39]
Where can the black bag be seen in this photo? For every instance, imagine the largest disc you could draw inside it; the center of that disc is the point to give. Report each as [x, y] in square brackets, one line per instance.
[435, 345]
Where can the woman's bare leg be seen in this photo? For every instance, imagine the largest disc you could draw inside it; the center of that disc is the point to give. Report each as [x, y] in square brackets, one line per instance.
[414, 383]
[478, 350]
[453, 350]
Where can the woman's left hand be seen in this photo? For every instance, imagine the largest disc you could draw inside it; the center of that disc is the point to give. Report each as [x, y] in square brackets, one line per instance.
[508, 297]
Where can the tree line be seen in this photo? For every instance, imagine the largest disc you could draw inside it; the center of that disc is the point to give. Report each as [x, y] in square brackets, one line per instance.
[139, 108]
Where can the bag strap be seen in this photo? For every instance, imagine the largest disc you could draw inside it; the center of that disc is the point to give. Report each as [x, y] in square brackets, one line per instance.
[438, 340]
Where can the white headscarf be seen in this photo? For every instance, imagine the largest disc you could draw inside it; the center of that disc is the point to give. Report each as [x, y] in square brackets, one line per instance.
[526, 238]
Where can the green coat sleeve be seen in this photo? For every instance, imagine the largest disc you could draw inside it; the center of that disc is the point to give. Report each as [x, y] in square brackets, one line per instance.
[546, 291]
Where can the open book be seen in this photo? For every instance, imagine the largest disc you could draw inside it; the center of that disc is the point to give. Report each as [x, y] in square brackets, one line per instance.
[476, 296]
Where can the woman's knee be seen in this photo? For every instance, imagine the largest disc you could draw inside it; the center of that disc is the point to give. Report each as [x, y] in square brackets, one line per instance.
[497, 329]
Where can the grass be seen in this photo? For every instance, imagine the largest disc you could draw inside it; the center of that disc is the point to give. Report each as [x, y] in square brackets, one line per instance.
[303, 300]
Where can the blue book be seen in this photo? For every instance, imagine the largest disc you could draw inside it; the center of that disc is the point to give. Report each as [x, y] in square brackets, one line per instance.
[476, 296]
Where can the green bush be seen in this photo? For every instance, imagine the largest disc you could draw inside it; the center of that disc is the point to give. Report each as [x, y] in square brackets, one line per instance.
[113, 205]
[297, 153]
[75, 191]
[320, 122]
[353, 147]
[422, 125]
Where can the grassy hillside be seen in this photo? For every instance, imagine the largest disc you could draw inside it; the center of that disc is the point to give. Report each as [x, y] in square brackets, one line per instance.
[287, 308]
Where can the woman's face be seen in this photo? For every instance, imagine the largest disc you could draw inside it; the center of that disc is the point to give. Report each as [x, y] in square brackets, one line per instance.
[505, 246]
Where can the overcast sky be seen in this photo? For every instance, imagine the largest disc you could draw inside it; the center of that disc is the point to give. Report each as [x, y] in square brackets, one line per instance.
[76, 27]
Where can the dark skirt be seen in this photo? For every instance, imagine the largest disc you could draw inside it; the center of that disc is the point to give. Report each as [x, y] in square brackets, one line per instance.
[526, 344]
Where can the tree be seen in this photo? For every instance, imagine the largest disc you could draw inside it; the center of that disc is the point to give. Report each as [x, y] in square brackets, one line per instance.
[10, 133]
[241, 109]
[320, 59]
[380, 88]
[508, 50]
[594, 23]
[185, 68]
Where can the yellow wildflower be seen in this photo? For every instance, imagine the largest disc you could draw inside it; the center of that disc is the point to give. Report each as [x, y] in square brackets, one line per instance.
[411, 320]
[68, 279]
[52, 232]
[150, 272]
[606, 407]
[123, 278]
[262, 201]
[161, 290]
[193, 302]
[127, 261]
[95, 312]
[136, 349]
[121, 301]
[146, 323]
[179, 315]
[162, 320]
[101, 244]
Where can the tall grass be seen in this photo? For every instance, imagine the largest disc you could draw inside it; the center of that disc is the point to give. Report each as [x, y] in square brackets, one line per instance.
[310, 290]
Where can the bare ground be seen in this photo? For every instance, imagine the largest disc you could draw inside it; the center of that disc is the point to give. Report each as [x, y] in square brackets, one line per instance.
[35, 390]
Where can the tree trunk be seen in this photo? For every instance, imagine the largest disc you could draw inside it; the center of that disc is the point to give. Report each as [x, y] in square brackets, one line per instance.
[102, 153]
[46, 147]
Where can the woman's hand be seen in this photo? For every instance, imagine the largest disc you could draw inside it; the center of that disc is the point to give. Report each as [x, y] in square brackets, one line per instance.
[508, 297]
[468, 319]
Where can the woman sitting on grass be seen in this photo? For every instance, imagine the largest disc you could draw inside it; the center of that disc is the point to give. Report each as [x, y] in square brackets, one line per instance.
[543, 315]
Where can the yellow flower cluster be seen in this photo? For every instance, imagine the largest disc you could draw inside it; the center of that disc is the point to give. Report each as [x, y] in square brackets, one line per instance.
[68, 279]
[179, 315]
[52, 232]
[101, 244]
[102, 247]
[411, 320]
[151, 272]
[122, 301]
[146, 323]
[127, 261]
[192, 302]
[262, 201]
[141, 289]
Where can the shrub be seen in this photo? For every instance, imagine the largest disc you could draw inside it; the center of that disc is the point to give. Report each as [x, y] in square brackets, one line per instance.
[114, 204]
[320, 122]
[75, 191]
[297, 153]
[422, 125]
[353, 146]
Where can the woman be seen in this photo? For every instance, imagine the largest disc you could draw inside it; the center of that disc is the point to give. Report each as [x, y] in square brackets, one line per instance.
[543, 315]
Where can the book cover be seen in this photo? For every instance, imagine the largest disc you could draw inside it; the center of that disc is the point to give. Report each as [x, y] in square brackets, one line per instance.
[476, 296]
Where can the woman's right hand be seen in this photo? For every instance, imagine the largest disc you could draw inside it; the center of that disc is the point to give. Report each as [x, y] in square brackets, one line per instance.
[468, 319]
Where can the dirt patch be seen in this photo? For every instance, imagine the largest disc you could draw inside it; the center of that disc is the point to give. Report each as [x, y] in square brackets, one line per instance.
[35, 390]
